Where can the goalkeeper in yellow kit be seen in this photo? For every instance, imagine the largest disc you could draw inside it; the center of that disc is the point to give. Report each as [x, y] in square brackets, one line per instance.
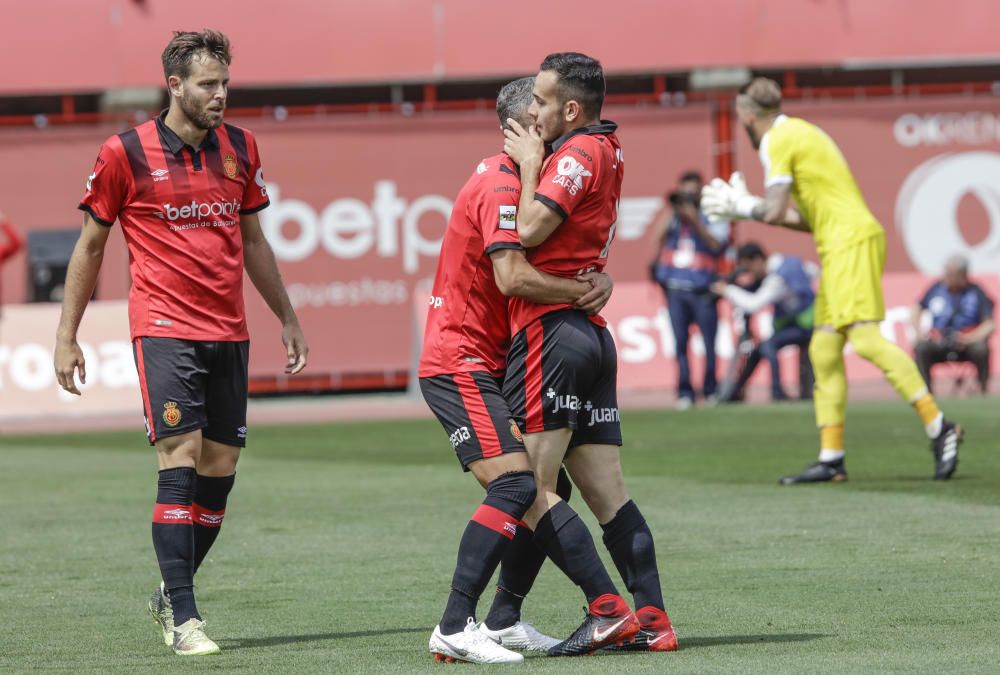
[803, 164]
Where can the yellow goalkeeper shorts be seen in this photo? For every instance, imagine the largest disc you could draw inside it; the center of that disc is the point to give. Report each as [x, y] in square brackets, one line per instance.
[850, 285]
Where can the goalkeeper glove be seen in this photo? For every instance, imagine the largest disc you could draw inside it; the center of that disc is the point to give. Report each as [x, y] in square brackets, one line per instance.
[722, 200]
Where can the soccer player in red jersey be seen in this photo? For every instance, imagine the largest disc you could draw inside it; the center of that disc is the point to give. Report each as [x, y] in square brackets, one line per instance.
[461, 375]
[186, 189]
[562, 366]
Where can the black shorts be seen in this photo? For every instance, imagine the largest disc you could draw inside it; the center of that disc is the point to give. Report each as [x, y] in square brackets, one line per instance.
[192, 384]
[474, 414]
[562, 373]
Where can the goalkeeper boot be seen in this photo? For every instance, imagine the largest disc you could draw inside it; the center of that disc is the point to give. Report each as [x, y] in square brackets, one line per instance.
[609, 621]
[522, 636]
[190, 640]
[945, 449]
[159, 608]
[471, 645]
[820, 472]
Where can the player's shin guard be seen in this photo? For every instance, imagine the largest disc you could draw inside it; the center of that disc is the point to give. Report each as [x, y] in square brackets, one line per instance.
[899, 369]
[173, 539]
[630, 543]
[208, 511]
[484, 542]
[567, 542]
[519, 569]
[826, 351]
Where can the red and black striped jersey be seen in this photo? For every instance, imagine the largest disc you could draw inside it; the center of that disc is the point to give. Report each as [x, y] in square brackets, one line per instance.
[581, 181]
[179, 208]
[467, 329]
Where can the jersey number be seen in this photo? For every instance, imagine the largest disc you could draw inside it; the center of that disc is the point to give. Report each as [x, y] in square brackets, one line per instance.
[611, 234]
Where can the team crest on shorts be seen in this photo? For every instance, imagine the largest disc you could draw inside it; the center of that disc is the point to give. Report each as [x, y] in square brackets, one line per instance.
[515, 431]
[229, 166]
[171, 414]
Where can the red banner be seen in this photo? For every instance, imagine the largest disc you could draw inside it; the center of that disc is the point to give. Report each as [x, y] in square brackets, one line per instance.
[359, 204]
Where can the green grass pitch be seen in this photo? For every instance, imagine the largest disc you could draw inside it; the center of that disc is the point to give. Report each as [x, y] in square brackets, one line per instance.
[340, 539]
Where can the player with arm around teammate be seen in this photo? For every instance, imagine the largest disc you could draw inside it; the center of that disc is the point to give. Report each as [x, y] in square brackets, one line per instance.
[186, 189]
[562, 368]
[461, 376]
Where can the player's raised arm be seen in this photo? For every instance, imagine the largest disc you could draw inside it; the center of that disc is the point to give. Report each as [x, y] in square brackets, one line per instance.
[81, 278]
[258, 258]
[535, 220]
[732, 200]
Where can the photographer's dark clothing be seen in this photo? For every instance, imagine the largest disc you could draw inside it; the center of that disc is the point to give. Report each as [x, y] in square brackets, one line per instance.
[686, 267]
[686, 308]
[687, 262]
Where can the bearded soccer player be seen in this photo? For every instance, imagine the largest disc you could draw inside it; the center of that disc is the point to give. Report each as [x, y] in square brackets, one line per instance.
[562, 368]
[186, 189]
[461, 375]
[802, 163]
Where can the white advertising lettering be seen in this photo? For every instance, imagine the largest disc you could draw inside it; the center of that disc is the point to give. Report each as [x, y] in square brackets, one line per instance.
[969, 128]
[28, 367]
[349, 228]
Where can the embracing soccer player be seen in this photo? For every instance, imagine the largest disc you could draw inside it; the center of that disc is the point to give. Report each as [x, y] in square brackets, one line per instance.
[562, 370]
[186, 189]
[461, 377]
[803, 164]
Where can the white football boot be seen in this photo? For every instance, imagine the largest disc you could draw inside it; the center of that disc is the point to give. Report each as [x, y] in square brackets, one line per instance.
[522, 636]
[470, 645]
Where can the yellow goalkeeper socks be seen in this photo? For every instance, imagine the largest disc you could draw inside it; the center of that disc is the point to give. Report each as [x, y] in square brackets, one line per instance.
[831, 443]
[930, 414]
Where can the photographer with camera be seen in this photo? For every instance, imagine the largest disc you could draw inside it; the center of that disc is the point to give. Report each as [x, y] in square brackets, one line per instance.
[784, 282]
[961, 323]
[690, 252]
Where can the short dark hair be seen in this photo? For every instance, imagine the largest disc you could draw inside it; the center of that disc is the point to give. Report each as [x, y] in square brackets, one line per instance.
[581, 78]
[750, 251]
[691, 175]
[186, 45]
[514, 99]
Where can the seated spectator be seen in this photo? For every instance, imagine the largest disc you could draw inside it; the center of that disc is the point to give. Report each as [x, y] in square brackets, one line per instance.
[961, 323]
[785, 282]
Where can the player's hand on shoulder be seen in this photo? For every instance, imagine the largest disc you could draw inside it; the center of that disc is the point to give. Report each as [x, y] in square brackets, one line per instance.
[296, 347]
[69, 358]
[594, 300]
[524, 146]
[719, 287]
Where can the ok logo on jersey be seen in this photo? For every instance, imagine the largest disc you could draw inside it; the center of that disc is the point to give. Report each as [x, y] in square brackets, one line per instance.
[571, 174]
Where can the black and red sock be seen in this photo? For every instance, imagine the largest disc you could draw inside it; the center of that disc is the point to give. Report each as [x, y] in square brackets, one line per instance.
[173, 539]
[208, 511]
[486, 537]
[567, 542]
[630, 543]
[519, 568]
